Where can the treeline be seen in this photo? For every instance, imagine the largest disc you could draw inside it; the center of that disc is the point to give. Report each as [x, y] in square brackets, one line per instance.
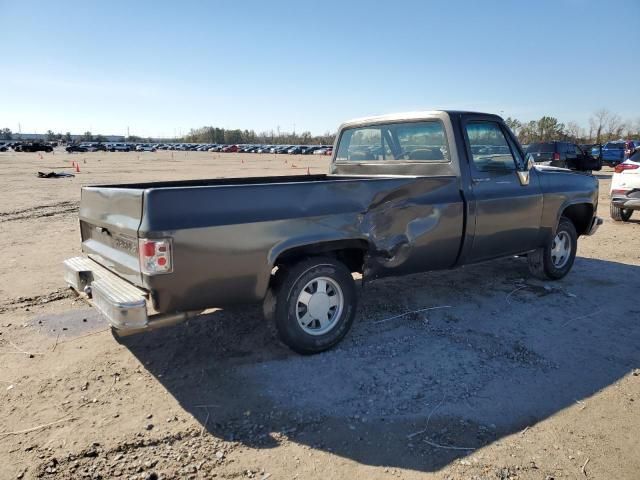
[50, 136]
[603, 127]
[226, 136]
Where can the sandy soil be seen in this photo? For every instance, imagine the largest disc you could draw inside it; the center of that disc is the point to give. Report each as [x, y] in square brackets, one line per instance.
[518, 379]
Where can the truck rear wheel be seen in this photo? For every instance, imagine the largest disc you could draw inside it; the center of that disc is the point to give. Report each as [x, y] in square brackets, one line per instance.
[554, 261]
[312, 304]
[620, 214]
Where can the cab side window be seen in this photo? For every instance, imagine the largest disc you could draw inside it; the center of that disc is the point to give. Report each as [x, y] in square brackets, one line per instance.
[489, 147]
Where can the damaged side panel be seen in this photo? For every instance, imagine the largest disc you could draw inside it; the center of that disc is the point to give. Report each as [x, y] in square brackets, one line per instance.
[228, 244]
[414, 228]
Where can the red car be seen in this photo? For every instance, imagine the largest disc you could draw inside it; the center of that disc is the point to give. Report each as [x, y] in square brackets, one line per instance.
[230, 149]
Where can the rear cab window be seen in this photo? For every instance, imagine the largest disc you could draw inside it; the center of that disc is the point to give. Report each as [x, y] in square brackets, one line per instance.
[423, 141]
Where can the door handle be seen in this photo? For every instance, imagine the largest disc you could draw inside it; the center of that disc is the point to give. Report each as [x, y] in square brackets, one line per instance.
[478, 180]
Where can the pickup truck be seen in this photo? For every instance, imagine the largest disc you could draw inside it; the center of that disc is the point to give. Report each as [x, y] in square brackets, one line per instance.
[406, 193]
[614, 153]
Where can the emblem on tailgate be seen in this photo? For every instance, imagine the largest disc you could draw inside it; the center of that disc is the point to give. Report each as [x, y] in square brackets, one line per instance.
[127, 244]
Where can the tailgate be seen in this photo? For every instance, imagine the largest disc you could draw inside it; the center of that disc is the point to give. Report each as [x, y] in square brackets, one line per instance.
[109, 222]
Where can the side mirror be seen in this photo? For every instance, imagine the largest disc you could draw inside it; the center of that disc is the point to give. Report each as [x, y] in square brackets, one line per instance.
[524, 175]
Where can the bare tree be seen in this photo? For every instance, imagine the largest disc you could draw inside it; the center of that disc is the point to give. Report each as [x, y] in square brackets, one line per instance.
[614, 127]
[574, 131]
[597, 122]
[606, 125]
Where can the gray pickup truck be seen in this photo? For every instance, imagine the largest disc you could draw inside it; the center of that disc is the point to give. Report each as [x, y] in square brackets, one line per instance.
[407, 193]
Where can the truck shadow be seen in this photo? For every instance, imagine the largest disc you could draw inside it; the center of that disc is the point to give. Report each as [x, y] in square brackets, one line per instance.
[416, 391]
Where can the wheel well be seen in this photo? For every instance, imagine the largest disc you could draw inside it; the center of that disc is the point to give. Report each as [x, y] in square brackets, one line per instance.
[349, 252]
[580, 215]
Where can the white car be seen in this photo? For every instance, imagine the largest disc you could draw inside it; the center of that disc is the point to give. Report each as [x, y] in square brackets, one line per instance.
[625, 188]
[145, 147]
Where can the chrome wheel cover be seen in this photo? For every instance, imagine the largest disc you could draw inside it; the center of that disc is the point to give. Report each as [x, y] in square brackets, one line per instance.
[561, 249]
[319, 306]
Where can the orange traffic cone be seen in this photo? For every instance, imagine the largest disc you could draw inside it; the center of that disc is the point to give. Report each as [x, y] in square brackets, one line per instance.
[308, 172]
[77, 168]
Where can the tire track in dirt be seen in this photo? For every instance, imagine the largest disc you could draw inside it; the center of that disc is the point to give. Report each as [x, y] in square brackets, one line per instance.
[61, 208]
[26, 302]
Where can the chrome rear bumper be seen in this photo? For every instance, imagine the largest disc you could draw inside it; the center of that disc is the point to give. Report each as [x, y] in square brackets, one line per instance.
[124, 305]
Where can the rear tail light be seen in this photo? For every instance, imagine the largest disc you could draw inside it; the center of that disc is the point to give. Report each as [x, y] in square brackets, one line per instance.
[619, 192]
[556, 157]
[626, 166]
[155, 256]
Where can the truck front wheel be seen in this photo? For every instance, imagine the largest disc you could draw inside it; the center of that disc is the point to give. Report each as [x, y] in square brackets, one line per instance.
[554, 261]
[312, 304]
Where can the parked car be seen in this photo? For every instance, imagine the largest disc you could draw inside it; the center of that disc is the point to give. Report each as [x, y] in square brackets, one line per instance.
[76, 148]
[295, 150]
[625, 188]
[33, 147]
[118, 147]
[93, 147]
[294, 242]
[563, 155]
[230, 149]
[3, 147]
[282, 148]
[308, 150]
[145, 147]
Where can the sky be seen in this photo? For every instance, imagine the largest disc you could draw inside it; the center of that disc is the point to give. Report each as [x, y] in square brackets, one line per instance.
[160, 68]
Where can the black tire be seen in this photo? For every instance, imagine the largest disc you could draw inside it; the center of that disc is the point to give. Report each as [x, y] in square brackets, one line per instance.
[541, 263]
[281, 307]
[620, 214]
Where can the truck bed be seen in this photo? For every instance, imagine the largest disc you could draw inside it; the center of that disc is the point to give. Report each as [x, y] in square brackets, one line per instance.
[228, 233]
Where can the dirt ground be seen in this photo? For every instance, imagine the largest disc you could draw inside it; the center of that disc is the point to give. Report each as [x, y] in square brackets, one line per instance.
[516, 379]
